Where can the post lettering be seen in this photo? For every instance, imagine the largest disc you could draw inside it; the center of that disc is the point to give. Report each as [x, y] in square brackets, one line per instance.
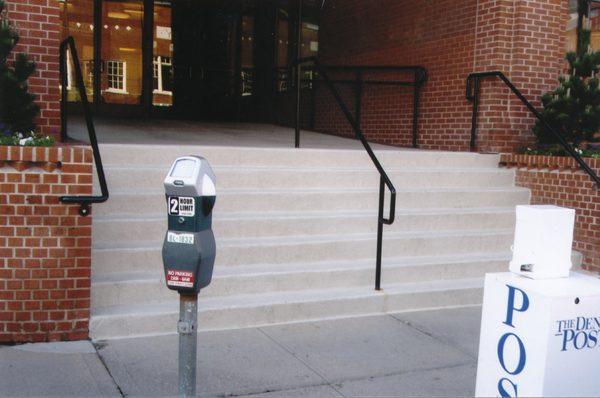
[510, 308]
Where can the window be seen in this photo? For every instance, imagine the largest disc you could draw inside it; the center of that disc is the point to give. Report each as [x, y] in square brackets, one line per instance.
[310, 39]
[283, 51]
[69, 71]
[162, 55]
[121, 51]
[162, 75]
[117, 76]
[247, 81]
[88, 75]
[77, 18]
[591, 23]
[247, 55]
[282, 82]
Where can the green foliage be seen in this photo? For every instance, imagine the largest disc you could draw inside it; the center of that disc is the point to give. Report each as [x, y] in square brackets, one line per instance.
[556, 150]
[573, 108]
[29, 139]
[17, 107]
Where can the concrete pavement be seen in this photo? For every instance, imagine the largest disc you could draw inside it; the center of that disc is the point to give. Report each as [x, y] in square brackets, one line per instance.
[54, 369]
[429, 353]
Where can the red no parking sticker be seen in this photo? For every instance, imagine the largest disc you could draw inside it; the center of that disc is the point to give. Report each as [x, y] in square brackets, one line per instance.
[180, 278]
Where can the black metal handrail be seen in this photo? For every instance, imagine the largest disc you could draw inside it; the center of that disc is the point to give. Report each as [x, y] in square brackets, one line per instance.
[69, 45]
[419, 78]
[384, 180]
[473, 88]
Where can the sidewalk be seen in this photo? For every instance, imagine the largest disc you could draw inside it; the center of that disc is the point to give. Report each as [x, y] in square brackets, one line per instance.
[430, 353]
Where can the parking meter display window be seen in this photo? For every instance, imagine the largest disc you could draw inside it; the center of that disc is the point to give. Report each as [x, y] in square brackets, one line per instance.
[183, 168]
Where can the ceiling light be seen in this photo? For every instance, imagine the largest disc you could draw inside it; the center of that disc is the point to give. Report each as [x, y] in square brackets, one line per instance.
[119, 15]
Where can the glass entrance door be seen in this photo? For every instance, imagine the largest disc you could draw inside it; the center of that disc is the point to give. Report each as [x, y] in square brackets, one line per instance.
[209, 59]
[162, 55]
[207, 70]
[121, 59]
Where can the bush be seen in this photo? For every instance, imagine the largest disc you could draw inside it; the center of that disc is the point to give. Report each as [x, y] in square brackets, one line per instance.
[560, 151]
[573, 109]
[17, 107]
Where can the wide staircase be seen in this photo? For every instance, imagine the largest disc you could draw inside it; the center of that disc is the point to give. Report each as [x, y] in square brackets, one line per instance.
[296, 236]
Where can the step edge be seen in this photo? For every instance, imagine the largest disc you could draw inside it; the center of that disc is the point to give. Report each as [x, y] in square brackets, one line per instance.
[267, 299]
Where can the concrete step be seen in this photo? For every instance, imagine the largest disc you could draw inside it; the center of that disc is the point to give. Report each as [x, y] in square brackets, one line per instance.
[215, 313]
[304, 249]
[296, 235]
[244, 177]
[164, 155]
[149, 287]
[109, 230]
[145, 201]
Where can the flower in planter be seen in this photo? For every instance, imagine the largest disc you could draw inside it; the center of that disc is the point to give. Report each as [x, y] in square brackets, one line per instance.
[29, 139]
[25, 141]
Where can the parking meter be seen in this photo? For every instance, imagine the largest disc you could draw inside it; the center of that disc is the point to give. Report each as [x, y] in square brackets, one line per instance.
[189, 247]
[189, 252]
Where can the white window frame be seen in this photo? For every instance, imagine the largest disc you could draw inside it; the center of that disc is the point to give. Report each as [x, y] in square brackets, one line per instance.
[69, 71]
[124, 77]
[157, 65]
[88, 71]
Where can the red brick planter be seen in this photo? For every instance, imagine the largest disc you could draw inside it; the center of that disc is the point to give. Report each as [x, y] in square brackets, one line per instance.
[559, 181]
[45, 246]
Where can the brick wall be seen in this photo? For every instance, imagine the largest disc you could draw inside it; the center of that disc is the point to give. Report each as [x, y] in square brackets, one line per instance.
[451, 38]
[45, 246]
[38, 24]
[526, 40]
[559, 181]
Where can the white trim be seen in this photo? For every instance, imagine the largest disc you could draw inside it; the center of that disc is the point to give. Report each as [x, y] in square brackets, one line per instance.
[115, 91]
[69, 71]
[124, 76]
[158, 62]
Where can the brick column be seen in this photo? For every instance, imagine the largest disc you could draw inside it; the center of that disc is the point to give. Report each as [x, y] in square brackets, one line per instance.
[38, 24]
[45, 245]
[526, 40]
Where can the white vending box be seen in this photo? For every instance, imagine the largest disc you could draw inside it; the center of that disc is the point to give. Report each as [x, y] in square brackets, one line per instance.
[539, 337]
[543, 241]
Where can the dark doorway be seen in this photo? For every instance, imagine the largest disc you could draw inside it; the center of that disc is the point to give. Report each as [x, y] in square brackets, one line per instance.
[205, 40]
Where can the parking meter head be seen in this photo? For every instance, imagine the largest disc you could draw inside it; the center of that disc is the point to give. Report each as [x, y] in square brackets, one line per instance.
[189, 245]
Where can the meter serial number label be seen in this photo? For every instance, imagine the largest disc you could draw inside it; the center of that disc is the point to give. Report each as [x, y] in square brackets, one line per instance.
[187, 239]
[184, 206]
[180, 278]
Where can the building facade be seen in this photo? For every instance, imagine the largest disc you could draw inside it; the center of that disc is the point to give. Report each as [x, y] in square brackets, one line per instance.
[233, 61]
[230, 60]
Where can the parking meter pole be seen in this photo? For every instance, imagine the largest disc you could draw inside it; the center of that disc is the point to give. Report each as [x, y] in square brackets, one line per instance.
[188, 252]
[188, 332]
